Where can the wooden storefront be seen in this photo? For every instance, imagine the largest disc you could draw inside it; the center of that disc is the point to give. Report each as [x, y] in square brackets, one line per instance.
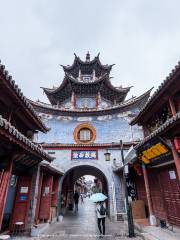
[165, 193]
[159, 152]
[19, 155]
[48, 194]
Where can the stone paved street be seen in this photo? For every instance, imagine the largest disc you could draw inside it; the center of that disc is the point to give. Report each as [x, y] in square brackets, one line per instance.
[83, 226]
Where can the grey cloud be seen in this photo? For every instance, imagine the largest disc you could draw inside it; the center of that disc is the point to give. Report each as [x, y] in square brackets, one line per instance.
[140, 37]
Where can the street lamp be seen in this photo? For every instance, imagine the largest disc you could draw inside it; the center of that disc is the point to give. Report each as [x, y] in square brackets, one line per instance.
[128, 206]
[107, 154]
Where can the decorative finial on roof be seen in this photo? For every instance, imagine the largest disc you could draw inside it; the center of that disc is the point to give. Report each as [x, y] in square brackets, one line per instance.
[88, 57]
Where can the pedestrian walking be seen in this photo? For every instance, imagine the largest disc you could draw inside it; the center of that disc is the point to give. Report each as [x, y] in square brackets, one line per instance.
[101, 216]
[82, 198]
[76, 200]
[63, 204]
[70, 200]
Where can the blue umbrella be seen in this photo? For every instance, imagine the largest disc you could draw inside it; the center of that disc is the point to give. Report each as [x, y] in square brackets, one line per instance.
[98, 197]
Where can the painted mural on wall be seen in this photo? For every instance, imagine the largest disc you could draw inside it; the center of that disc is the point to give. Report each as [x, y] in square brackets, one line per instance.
[86, 102]
[109, 128]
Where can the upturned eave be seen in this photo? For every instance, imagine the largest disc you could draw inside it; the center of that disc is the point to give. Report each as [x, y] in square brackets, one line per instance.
[103, 85]
[135, 101]
[78, 61]
[9, 132]
[18, 98]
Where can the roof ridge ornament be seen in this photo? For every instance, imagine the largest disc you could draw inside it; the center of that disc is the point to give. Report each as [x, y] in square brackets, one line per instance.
[88, 57]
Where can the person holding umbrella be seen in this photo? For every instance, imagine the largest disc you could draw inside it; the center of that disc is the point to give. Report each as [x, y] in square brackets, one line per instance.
[99, 199]
[101, 216]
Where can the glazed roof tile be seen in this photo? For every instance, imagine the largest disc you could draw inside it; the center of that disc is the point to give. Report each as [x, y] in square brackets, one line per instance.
[15, 135]
[70, 84]
[90, 111]
[74, 80]
[77, 60]
[163, 128]
[9, 80]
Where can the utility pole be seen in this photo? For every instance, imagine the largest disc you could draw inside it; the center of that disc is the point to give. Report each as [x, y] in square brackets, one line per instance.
[128, 206]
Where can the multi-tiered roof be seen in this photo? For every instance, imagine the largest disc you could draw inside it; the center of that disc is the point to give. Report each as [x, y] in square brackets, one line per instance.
[87, 77]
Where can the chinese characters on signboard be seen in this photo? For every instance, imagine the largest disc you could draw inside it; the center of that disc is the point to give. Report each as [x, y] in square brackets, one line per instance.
[131, 188]
[24, 190]
[84, 154]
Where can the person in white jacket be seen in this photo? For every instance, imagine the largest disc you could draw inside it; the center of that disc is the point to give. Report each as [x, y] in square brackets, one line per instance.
[101, 216]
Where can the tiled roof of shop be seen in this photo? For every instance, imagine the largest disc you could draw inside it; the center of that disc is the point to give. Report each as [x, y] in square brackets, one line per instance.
[53, 168]
[27, 105]
[15, 136]
[160, 130]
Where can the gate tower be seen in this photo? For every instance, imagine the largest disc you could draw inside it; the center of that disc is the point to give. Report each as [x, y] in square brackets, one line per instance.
[87, 117]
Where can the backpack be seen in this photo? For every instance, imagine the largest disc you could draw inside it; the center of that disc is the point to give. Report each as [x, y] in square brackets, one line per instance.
[102, 210]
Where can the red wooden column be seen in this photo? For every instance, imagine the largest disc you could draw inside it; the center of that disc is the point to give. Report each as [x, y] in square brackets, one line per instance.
[73, 100]
[4, 185]
[176, 158]
[174, 151]
[45, 203]
[172, 106]
[98, 99]
[152, 218]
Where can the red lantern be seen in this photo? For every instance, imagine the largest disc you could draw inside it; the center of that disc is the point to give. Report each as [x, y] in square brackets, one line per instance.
[177, 143]
[138, 169]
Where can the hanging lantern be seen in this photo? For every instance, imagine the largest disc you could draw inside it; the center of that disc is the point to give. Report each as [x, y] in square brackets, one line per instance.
[177, 143]
[138, 169]
[107, 155]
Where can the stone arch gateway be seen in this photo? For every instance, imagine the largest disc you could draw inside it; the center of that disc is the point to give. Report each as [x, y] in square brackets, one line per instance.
[76, 170]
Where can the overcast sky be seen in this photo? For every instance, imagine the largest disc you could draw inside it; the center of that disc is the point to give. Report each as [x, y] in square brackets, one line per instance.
[141, 37]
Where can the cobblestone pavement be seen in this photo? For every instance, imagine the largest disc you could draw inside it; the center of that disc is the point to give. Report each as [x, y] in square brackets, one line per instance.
[83, 226]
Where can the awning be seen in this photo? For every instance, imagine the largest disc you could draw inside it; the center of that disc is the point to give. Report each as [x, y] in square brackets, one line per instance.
[52, 168]
[130, 156]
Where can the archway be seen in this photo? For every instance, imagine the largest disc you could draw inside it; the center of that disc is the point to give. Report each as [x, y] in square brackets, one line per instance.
[76, 172]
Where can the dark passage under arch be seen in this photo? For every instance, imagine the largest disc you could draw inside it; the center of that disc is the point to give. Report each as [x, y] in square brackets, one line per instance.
[73, 174]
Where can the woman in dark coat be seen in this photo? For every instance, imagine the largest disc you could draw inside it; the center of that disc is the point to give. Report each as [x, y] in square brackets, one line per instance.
[76, 200]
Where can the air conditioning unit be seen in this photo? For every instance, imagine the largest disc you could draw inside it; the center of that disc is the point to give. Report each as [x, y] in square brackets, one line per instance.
[177, 143]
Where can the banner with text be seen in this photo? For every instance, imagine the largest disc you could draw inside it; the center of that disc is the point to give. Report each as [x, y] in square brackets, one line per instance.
[84, 155]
